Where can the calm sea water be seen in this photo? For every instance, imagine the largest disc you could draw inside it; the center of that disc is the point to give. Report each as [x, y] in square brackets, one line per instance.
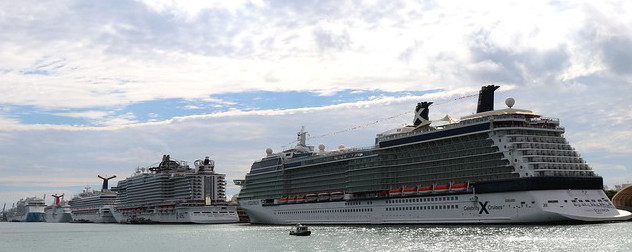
[50, 237]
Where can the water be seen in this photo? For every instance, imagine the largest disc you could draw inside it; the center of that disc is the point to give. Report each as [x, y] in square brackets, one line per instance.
[50, 237]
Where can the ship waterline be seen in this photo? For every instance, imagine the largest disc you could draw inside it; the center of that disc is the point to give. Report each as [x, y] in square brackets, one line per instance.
[495, 166]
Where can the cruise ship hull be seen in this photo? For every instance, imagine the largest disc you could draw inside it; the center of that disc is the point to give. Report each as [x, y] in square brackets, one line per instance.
[542, 206]
[58, 214]
[200, 215]
[94, 215]
[33, 214]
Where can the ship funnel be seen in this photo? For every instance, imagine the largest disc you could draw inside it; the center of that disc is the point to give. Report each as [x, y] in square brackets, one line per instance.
[105, 182]
[421, 113]
[57, 199]
[486, 98]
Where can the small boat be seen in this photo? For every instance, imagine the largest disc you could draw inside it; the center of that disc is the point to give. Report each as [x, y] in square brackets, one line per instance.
[300, 199]
[323, 196]
[440, 188]
[410, 190]
[458, 187]
[283, 200]
[291, 199]
[300, 230]
[310, 197]
[395, 192]
[424, 189]
[336, 196]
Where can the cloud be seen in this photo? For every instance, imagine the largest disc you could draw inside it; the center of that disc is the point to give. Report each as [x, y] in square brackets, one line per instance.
[127, 71]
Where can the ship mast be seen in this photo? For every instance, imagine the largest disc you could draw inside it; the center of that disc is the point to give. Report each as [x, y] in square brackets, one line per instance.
[301, 137]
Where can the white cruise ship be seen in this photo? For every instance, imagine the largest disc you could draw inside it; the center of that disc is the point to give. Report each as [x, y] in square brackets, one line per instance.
[59, 211]
[495, 166]
[172, 192]
[30, 209]
[94, 206]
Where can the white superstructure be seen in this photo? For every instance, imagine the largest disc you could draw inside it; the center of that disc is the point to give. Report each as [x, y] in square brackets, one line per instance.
[30, 209]
[174, 193]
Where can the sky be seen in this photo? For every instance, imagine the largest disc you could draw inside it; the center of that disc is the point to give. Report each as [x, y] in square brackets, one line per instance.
[104, 87]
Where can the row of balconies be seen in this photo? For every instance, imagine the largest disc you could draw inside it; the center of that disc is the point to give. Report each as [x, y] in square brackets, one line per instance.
[558, 166]
[563, 153]
[538, 139]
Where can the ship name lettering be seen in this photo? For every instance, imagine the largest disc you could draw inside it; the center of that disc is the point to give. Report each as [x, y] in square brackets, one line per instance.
[471, 208]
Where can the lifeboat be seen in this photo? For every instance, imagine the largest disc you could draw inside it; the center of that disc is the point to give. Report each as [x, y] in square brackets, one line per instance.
[410, 190]
[336, 195]
[441, 188]
[283, 200]
[424, 189]
[323, 196]
[383, 193]
[291, 199]
[395, 192]
[458, 187]
[300, 199]
[310, 197]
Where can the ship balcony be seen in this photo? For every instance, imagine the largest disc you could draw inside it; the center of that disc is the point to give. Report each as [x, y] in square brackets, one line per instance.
[564, 173]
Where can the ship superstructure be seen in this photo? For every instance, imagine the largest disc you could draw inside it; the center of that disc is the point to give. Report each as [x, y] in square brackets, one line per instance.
[94, 206]
[30, 209]
[495, 166]
[172, 192]
[59, 211]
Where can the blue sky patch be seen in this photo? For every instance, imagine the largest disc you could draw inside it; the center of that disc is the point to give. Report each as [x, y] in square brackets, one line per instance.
[164, 109]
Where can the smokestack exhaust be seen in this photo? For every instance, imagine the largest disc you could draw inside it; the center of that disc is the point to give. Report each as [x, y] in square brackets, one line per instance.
[105, 182]
[421, 113]
[486, 98]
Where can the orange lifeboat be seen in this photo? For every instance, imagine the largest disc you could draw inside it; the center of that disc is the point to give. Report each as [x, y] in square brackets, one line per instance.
[458, 187]
[424, 189]
[283, 200]
[410, 190]
[395, 192]
[291, 199]
[300, 199]
[441, 188]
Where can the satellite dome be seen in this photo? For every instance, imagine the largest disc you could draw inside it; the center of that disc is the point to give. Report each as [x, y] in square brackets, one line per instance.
[269, 151]
[321, 147]
[510, 102]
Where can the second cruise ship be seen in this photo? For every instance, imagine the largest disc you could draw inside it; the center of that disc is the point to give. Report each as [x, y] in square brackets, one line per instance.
[172, 192]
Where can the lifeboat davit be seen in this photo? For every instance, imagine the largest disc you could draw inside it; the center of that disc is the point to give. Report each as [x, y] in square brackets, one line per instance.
[395, 192]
